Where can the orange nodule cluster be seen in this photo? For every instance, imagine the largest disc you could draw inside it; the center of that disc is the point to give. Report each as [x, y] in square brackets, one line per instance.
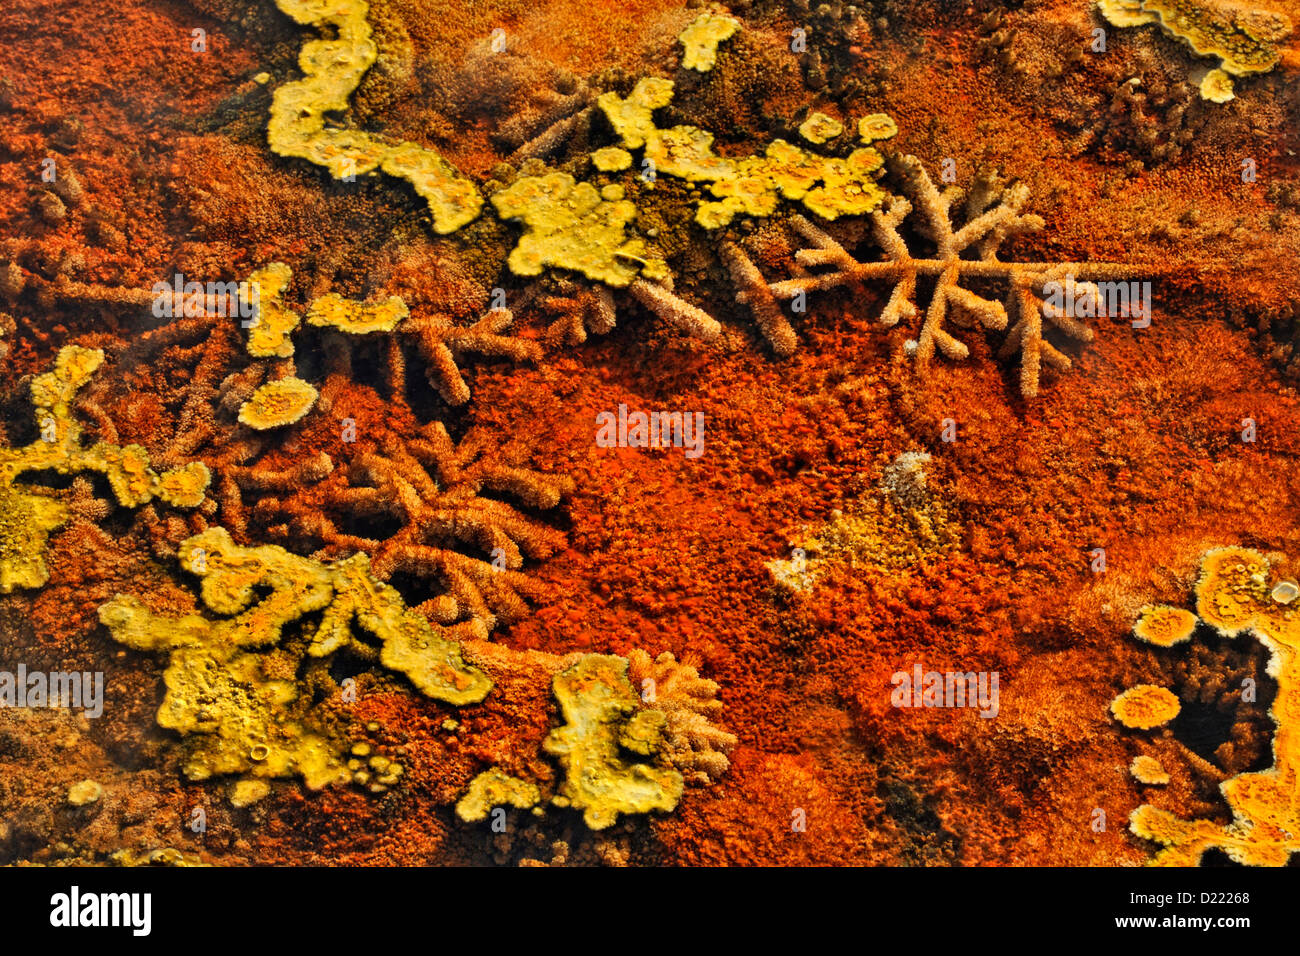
[278, 403]
[1145, 706]
[1164, 626]
[1148, 770]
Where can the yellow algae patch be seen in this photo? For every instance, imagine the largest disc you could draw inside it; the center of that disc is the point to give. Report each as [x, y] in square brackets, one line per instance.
[632, 118]
[184, 487]
[453, 200]
[127, 469]
[25, 525]
[245, 793]
[1184, 840]
[687, 153]
[1145, 706]
[273, 322]
[1126, 13]
[27, 516]
[332, 69]
[601, 717]
[569, 226]
[278, 403]
[357, 318]
[1149, 771]
[611, 159]
[752, 185]
[427, 655]
[793, 171]
[829, 186]
[73, 367]
[224, 692]
[1243, 39]
[164, 856]
[818, 128]
[1234, 595]
[493, 788]
[875, 127]
[700, 40]
[85, 792]
[1164, 626]
[429, 660]
[848, 188]
[1216, 87]
[238, 719]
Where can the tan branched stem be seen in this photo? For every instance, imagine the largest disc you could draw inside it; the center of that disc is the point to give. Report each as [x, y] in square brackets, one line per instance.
[441, 342]
[676, 311]
[984, 231]
[752, 291]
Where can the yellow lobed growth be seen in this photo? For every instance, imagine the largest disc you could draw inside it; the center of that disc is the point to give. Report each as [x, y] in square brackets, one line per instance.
[429, 659]
[347, 593]
[1232, 595]
[828, 186]
[632, 118]
[1216, 86]
[1164, 626]
[454, 201]
[818, 128]
[1126, 13]
[875, 127]
[611, 159]
[25, 525]
[241, 720]
[332, 70]
[700, 40]
[568, 225]
[220, 690]
[270, 332]
[27, 518]
[1184, 840]
[687, 153]
[848, 188]
[1145, 706]
[54, 391]
[357, 318]
[245, 793]
[278, 403]
[184, 487]
[602, 718]
[273, 322]
[753, 185]
[1243, 39]
[1236, 594]
[127, 469]
[1149, 771]
[493, 788]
